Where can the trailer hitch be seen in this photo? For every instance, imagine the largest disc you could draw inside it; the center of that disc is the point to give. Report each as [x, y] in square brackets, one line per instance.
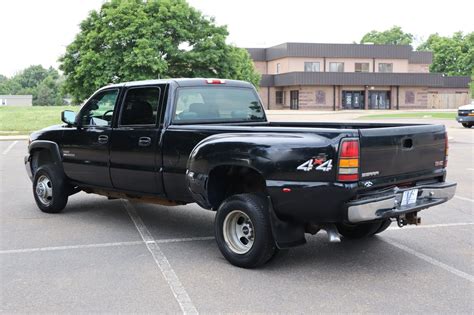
[409, 218]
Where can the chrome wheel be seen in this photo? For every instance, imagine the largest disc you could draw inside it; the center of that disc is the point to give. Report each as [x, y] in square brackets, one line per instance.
[44, 190]
[238, 232]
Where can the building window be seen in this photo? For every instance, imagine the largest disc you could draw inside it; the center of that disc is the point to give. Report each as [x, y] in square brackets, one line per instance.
[362, 67]
[294, 99]
[320, 97]
[336, 67]
[385, 67]
[409, 97]
[280, 97]
[278, 68]
[311, 67]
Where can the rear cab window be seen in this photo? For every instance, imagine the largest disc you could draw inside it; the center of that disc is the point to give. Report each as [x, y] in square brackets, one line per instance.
[217, 104]
[140, 106]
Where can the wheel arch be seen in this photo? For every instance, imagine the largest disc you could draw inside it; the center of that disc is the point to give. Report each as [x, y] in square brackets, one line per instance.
[229, 179]
[44, 152]
[224, 164]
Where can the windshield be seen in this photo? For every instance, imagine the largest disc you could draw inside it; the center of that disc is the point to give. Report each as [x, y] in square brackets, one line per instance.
[212, 103]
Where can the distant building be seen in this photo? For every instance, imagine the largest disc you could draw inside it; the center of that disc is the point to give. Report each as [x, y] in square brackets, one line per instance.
[354, 76]
[16, 100]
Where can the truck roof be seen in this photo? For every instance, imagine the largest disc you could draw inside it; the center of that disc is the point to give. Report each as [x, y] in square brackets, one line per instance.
[182, 82]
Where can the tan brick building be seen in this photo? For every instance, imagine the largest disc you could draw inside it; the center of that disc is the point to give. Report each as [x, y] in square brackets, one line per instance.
[353, 76]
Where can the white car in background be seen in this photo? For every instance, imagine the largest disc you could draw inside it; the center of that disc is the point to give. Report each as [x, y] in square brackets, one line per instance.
[466, 115]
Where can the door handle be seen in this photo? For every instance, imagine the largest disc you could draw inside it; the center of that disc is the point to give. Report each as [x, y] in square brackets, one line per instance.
[144, 141]
[103, 139]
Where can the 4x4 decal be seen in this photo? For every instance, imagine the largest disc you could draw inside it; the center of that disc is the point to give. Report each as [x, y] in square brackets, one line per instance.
[318, 163]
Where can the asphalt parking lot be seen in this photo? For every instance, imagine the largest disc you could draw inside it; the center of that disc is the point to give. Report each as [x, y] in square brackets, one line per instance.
[116, 256]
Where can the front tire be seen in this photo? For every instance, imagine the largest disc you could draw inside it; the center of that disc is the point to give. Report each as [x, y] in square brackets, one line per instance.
[243, 230]
[50, 189]
[466, 125]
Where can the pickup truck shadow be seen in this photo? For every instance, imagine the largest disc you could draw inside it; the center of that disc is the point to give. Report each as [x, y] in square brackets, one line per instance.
[191, 221]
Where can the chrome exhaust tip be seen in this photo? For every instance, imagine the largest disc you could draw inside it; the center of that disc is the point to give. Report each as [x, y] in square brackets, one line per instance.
[333, 234]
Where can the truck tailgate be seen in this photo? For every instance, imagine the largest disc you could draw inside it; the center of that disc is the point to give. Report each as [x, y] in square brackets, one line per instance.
[400, 150]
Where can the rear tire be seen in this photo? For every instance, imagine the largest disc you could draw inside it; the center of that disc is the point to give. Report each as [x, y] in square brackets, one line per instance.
[243, 230]
[357, 231]
[385, 224]
[50, 189]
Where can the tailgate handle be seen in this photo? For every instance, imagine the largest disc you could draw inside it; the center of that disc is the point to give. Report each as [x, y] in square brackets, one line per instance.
[407, 143]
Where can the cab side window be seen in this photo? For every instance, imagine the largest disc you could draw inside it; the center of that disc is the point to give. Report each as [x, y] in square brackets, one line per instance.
[100, 109]
[140, 106]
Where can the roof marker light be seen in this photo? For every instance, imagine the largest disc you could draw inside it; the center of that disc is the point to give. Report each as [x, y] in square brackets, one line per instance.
[215, 81]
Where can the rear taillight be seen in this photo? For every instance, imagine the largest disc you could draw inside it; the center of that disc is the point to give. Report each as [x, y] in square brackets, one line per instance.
[348, 170]
[446, 148]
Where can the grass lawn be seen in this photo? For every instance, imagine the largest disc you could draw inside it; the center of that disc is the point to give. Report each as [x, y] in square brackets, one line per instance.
[420, 115]
[24, 120]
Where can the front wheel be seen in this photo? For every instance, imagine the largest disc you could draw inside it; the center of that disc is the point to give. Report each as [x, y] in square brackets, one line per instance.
[243, 231]
[466, 125]
[50, 189]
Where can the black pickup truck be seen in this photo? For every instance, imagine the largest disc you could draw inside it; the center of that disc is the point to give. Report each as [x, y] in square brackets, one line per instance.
[207, 141]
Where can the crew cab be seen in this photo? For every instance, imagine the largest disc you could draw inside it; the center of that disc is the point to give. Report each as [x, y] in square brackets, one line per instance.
[208, 141]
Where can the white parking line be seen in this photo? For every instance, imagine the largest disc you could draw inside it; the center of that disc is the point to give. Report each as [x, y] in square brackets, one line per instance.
[430, 260]
[463, 198]
[167, 271]
[185, 239]
[470, 169]
[99, 245]
[46, 249]
[428, 226]
[9, 147]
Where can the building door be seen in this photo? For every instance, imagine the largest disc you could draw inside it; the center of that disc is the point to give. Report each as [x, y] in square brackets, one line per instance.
[294, 99]
[379, 100]
[353, 99]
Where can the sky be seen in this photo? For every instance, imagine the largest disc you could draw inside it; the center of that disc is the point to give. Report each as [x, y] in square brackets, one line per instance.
[37, 32]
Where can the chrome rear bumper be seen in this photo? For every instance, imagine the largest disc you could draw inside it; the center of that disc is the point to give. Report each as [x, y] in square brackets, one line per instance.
[388, 205]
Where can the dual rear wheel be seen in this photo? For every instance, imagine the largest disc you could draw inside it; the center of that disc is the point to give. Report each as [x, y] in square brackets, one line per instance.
[363, 230]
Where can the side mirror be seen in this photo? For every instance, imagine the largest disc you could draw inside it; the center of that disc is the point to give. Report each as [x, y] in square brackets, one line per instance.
[69, 117]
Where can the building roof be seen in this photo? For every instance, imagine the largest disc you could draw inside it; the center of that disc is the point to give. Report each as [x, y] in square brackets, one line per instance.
[365, 78]
[340, 51]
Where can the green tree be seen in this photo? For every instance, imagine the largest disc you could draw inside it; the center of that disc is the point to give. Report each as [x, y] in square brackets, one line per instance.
[32, 76]
[135, 39]
[451, 55]
[45, 85]
[10, 86]
[393, 36]
[48, 92]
